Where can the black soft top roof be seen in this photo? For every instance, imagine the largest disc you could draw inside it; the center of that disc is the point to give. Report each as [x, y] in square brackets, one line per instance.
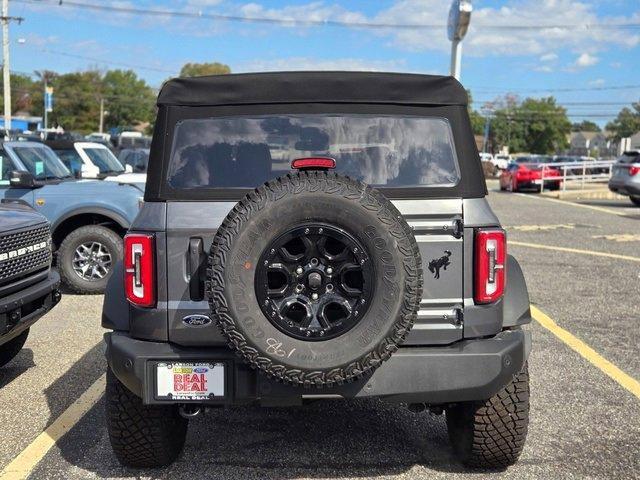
[313, 87]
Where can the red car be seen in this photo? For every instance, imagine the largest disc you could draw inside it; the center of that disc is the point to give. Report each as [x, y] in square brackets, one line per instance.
[527, 172]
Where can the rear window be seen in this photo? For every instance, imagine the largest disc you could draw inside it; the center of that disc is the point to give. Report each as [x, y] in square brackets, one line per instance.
[629, 158]
[244, 152]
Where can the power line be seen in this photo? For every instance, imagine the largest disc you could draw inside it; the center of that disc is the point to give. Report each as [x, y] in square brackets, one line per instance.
[109, 62]
[553, 90]
[335, 23]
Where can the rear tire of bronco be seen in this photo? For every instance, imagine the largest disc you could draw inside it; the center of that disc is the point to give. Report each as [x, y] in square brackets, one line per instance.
[10, 349]
[317, 327]
[491, 434]
[142, 436]
[90, 246]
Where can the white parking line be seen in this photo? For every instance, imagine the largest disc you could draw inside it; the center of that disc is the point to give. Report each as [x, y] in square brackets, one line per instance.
[574, 204]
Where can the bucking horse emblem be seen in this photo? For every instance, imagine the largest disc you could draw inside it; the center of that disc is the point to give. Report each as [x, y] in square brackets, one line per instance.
[437, 263]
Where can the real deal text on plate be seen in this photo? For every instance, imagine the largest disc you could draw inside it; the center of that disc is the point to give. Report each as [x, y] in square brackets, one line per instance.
[189, 382]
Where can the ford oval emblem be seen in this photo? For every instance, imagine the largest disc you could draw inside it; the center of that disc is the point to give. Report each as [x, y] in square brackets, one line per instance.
[196, 320]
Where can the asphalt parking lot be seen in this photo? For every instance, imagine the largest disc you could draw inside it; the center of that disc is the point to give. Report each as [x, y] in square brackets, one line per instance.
[582, 264]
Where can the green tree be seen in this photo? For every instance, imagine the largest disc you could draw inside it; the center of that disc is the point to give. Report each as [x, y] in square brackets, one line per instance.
[585, 126]
[626, 123]
[477, 120]
[128, 99]
[23, 89]
[201, 69]
[77, 101]
[535, 125]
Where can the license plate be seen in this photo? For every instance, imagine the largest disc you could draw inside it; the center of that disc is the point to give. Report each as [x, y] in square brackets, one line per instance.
[189, 381]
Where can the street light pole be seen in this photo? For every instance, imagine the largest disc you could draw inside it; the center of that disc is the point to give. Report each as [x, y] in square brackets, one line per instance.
[456, 56]
[6, 72]
[459, 18]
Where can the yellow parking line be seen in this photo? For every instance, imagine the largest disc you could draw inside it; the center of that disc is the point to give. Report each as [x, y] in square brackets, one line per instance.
[575, 250]
[623, 379]
[21, 466]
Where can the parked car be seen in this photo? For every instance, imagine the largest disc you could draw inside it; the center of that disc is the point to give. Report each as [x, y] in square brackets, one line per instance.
[625, 176]
[486, 157]
[501, 161]
[95, 161]
[527, 172]
[88, 218]
[128, 139]
[29, 288]
[356, 221]
[136, 158]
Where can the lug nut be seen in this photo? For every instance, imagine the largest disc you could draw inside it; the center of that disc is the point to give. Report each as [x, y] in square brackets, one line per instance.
[329, 287]
[299, 288]
[299, 270]
[314, 261]
[329, 270]
[314, 296]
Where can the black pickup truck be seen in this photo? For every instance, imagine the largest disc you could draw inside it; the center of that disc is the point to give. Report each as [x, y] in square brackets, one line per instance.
[28, 286]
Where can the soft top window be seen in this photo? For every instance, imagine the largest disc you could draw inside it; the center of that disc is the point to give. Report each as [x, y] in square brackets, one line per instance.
[244, 152]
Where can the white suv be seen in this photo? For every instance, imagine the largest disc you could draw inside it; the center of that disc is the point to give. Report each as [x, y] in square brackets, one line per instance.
[95, 160]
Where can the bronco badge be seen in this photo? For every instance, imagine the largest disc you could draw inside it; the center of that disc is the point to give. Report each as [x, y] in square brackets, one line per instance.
[196, 320]
[437, 263]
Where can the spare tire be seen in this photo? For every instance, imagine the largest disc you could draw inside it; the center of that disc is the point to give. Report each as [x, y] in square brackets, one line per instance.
[314, 278]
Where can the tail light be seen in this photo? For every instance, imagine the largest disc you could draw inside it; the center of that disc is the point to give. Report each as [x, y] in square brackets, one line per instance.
[140, 269]
[634, 170]
[313, 163]
[490, 264]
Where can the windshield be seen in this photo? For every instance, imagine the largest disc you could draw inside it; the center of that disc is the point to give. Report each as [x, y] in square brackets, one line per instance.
[243, 152]
[104, 160]
[41, 162]
[71, 159]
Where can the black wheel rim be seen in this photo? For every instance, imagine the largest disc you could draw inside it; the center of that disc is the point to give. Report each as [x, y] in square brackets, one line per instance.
[314, 282]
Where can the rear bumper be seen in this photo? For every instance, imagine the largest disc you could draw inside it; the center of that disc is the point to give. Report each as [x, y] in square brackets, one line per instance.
[467, 370]
[23, 308]
[625, 187]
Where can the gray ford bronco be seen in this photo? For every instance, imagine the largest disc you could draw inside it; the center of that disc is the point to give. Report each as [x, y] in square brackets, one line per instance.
[311, 235]
[29, 288]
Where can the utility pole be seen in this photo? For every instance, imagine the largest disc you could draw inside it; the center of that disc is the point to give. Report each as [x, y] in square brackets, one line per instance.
[101, 115]
[459, 18]
[6, 70]
[46, 105]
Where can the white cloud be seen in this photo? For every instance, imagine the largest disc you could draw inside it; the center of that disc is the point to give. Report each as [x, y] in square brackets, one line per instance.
[308, 63]
[586, 60]
[548, 57]
[314, 11]
[598, 82]
[526, 41]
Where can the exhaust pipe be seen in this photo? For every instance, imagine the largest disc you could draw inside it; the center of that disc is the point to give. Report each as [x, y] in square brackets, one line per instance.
[189, 411]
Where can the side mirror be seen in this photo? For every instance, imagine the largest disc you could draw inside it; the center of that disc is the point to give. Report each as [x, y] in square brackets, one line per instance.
[77, 174]
[128, 168]
[20, 179]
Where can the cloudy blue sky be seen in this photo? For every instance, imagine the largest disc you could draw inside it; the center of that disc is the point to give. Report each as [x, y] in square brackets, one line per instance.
[577, 64]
